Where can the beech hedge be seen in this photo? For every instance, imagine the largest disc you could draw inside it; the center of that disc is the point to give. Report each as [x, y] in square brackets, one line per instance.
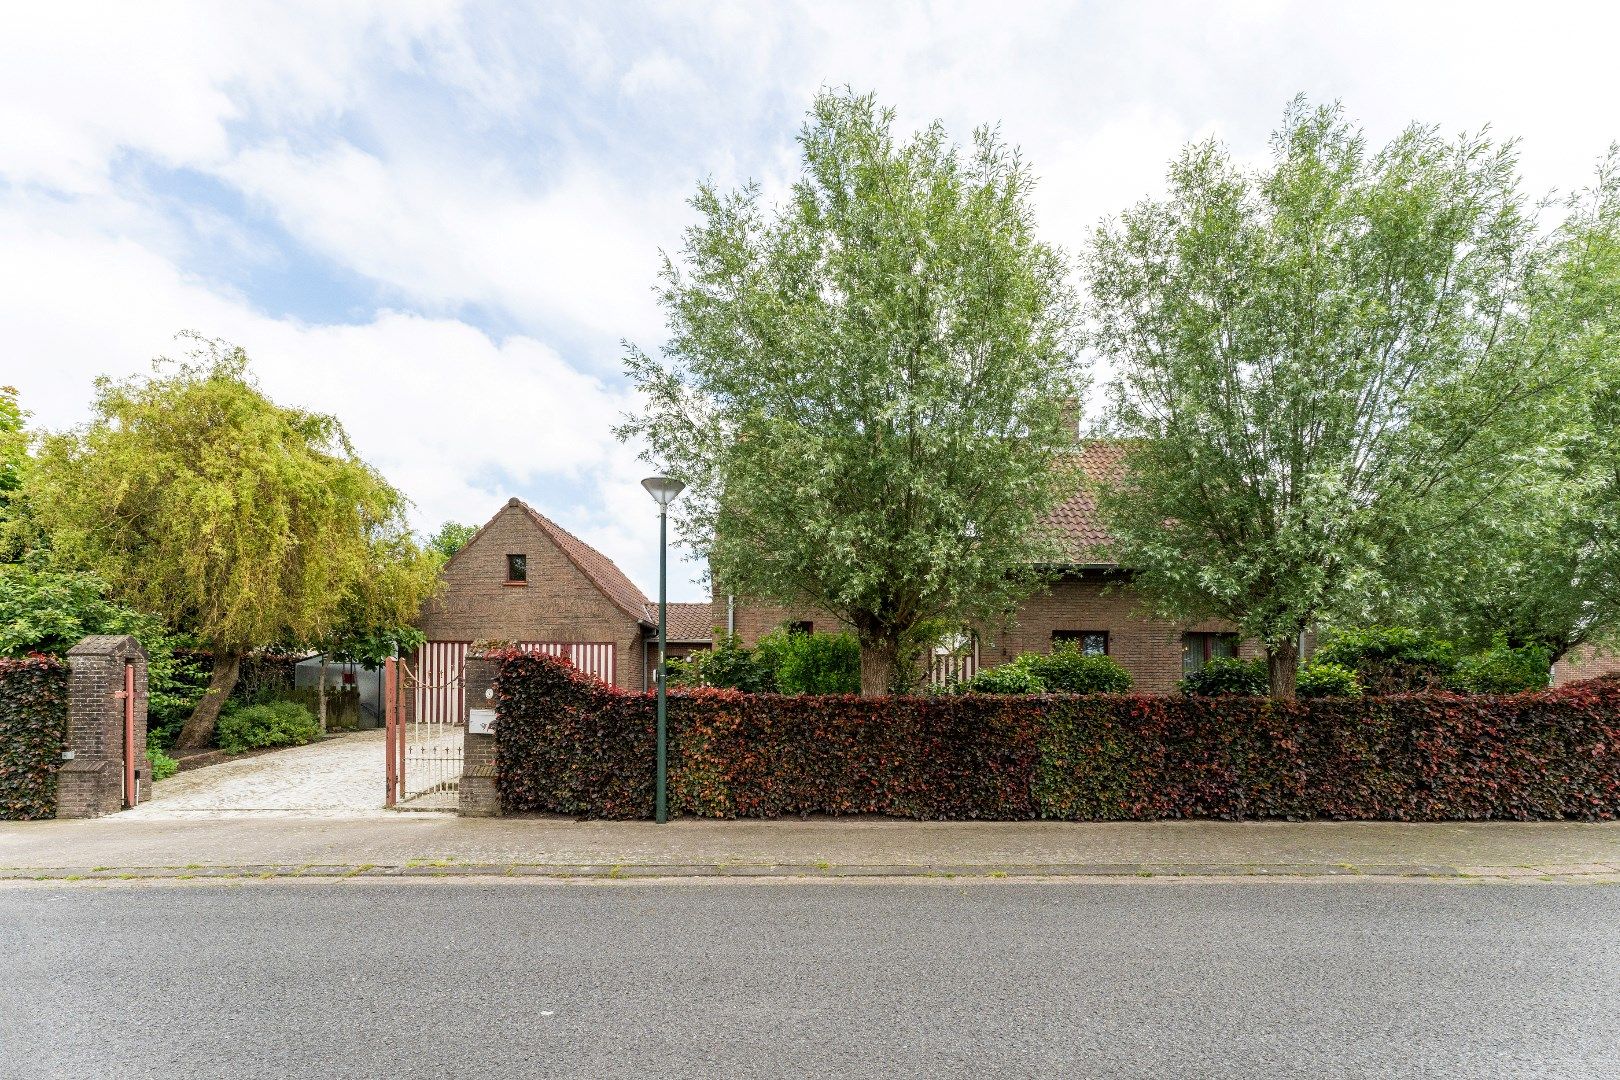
[33, 729]
[566, 743]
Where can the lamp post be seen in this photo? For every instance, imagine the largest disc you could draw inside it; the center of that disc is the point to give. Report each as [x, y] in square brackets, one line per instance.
[663, 489]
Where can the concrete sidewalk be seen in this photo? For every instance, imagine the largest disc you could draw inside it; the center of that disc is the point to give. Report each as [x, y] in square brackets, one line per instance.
[124, 845]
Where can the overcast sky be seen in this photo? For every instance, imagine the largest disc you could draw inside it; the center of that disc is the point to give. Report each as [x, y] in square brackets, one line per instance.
[439, 220]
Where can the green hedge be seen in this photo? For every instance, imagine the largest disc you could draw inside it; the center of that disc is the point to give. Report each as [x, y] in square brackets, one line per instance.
[566, 744]
[33, 730]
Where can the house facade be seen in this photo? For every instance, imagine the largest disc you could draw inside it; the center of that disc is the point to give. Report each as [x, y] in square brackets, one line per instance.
[525, 580]
[1089, 602]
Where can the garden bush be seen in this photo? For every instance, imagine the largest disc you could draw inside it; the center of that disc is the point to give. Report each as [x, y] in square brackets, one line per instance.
[1066, 670]
[1013, 678]
[272, 723]
[566, 744]
[163, 766]
[1390, 659]
[1226, 675]
[1503, 669]
[33, 730]
[728, 665]
[812, 663]
[1321, 678]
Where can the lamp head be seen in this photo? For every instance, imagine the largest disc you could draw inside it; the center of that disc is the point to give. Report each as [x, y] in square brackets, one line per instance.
[663, 489]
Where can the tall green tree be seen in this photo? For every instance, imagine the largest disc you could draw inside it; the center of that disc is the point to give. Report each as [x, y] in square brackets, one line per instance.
[451, 538]
[201, 501]
[864, 387]
[1543, 566]
[1327, 365]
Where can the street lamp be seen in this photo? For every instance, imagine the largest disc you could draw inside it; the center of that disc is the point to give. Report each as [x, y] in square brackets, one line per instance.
[663, 489]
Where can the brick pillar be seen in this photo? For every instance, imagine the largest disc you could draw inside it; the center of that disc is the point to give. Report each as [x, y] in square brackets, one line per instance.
[477, 796]
[91, 780]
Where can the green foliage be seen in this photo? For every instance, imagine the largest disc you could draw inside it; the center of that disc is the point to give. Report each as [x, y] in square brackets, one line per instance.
[242, 521]
[728, 665]
[1357, 647]
[568, 744]
[273, 723]
[13, 446]
[1013, 678]
[812, 663]
[451, 538]
[1503, 669]
[46, 609]
[1227, 675]
[1067, 670]
[864, 388]
[33, 728]
[1319, 678]
[1331, 366]
[163, 766]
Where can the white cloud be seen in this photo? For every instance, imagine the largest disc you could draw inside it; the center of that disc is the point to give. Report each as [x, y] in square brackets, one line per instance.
[458, 421]
[485, 167]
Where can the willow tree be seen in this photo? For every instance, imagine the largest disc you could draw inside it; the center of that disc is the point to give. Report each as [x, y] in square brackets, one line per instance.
[1328, 365]
[865, 387]
[199, 500]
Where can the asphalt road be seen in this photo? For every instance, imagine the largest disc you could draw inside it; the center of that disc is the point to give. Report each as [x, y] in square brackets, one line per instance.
[743, 979]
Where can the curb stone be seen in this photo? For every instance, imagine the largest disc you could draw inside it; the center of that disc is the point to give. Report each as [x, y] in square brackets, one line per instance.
[451, 868]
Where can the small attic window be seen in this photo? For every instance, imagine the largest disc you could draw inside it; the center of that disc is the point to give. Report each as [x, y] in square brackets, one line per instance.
[517, 569]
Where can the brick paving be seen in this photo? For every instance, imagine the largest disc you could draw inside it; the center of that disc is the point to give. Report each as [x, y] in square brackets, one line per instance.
[338, 776]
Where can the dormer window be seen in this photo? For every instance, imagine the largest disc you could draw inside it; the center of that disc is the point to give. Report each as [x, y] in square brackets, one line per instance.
[517, 569]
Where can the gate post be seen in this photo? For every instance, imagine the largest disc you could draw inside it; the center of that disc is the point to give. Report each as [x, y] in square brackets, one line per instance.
[104, 768]
[477, 796]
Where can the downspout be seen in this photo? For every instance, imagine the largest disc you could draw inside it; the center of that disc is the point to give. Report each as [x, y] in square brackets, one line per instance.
[731, 614]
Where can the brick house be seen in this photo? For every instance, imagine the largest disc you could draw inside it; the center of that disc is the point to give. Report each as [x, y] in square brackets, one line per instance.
[1089, 601]
[524, 579]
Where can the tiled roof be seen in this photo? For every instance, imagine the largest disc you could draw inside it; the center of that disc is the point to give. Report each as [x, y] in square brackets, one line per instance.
[607, 577]
[1076, 518]
[687, 622]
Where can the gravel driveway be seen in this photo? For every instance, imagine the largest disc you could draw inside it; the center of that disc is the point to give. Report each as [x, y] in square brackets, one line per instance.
[336, 776]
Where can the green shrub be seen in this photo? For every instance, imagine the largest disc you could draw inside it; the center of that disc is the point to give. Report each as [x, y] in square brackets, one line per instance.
[1391, 659]
[1013, 678]
[33, 727]
[275, 723]
[1226, 675]
[163, 766]
[727, 666]
[1069, 671]
[812, 663]
[1503, 669]
[1321, 678]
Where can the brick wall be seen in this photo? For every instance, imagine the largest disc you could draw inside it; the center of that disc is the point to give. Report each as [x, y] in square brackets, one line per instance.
[91, 782]
[559, 603]
[1586, 662]
[1148, 647]
[477, 796]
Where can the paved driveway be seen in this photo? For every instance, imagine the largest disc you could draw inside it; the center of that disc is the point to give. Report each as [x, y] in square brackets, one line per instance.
[337, 776]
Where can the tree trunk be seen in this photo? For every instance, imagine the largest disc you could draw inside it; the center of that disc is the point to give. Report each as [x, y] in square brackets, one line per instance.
[1282, 668]
[878, 660]
[320, 695]
[198, 730]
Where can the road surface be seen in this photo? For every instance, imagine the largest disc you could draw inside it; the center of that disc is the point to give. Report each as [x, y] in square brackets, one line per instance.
[430, 978]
